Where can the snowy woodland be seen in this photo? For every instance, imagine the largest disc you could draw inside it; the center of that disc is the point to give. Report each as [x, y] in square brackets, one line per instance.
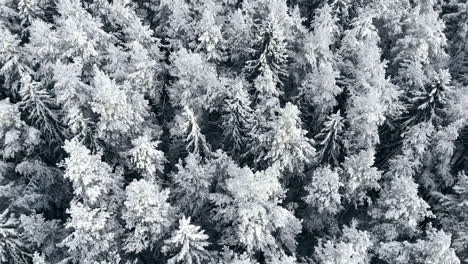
[233, 131]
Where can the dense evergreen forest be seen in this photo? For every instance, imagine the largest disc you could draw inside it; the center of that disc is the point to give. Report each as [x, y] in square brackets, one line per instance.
[233, 131]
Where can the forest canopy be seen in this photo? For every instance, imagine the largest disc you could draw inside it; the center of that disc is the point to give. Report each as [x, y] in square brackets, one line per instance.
[233, 131]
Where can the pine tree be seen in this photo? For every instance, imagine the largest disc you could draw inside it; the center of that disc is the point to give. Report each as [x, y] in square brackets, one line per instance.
[240, 36]
[180, 26]
[15, 135]
[95, 230]
[281, 258]
[451, 211]
[209, 31]
[271, 40]
[230, 257]
[41, 235]
[420, 53]
[11, 245]
[38, 259]
[28, 10]
[41, 108]
[93, 180]
[267, 100]
[38, 187]
[140, 64]
[94, 236]
[456, 32]
[76, 36]
[11, 66]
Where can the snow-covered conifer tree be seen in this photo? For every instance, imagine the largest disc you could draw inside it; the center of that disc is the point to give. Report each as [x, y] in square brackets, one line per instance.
[146, 156]
[148, 215]
[238, 118]
[329, 139]
[352, 247]
[193, 182]
[249, 212]
[188, 243]
[187, 130]
[323, 191]
[360, 176]
[290, 147]
[95, 230]
[319, 87]
[372, 95]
